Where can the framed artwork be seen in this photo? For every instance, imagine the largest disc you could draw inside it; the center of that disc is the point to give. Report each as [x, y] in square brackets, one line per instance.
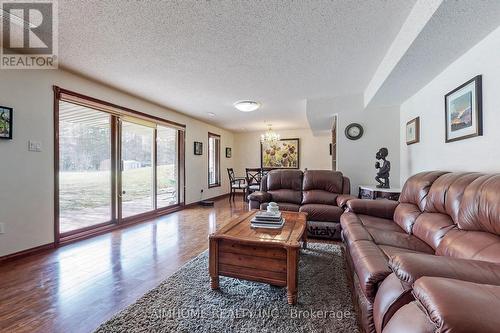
[281, 154]
[198, 148]
[6, 115]
[413, 131]
[228, 152]
[463, 111]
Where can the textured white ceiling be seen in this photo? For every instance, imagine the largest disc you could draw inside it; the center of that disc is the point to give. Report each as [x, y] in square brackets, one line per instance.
[201, 56]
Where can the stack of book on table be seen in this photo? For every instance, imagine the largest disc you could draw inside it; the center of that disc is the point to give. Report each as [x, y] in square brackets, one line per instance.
[269, 220]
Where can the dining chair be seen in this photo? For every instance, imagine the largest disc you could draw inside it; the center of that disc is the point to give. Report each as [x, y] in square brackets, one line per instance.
[253, 178]
[236, 183]
[265, 171]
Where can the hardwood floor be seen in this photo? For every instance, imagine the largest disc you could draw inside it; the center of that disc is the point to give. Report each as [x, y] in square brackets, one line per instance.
[76, 287]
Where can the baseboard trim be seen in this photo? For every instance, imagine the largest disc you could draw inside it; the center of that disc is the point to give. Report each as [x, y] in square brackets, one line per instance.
[27, 252]
[196, 203]
[98, 231]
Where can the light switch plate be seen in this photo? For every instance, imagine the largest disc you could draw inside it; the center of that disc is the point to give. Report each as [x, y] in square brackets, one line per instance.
[2, 228]
[35, 146]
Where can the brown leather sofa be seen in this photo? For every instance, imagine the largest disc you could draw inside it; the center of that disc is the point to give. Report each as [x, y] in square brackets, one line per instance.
[322, 194]
[409, 259]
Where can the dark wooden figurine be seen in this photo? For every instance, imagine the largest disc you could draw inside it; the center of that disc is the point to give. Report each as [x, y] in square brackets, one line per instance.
[383, 171]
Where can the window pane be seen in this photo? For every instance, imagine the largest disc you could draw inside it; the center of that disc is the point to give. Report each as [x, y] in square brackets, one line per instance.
[213, 160]
[167, 169]
[137, 169]
[84, 167]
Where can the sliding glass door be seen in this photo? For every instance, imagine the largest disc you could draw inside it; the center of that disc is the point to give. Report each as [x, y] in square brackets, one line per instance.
[113, 168]
[167, 169]
[137, 165]
[85, 178]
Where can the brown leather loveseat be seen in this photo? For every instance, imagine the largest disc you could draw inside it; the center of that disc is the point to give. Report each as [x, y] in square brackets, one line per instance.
[431, 261]
[320, 193]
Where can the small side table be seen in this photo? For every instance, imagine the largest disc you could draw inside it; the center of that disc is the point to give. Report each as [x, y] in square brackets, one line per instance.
[374, 193]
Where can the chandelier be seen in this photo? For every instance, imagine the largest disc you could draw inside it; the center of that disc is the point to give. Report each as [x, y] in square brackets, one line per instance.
[270, 135]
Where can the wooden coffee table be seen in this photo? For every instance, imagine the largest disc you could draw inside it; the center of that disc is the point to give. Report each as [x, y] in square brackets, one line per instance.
[262, 255]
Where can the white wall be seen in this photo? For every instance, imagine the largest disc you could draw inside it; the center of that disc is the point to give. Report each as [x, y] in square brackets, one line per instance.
[27, 178]
[475, 154]
[356, 158]
[314, 150]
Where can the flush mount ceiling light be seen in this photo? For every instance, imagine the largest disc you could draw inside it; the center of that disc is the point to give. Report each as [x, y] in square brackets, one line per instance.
[247, 106]
[211, 114]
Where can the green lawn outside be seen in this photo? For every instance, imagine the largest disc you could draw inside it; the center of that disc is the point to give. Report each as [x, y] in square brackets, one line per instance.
[92, 189]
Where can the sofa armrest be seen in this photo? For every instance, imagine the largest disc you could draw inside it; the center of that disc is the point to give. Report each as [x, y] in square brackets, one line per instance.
[260, 197]
[409, 267]
[342, 200]
[379, 208]
[346, 185]
[458, 306]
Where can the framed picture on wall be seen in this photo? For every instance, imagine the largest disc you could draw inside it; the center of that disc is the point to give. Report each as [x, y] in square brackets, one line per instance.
[228, 152]
[463, 111]
[281, 154]
[6, 115]
[413, 131]
[198, 148]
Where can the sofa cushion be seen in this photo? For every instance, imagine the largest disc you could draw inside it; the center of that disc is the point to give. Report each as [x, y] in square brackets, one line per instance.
[319, 197]
[316, 212]
[431, 228]
[409, 267]
[286, 195]
[476, 245]
[382, 232]
[405, 216]
[417, 187]
[321, 187]
[324, 180]
[283, 206]
[446, 193]
[399, 239]
[379, 223]
[391, 251]
[480, 205]
[410, 319]
[284, 179]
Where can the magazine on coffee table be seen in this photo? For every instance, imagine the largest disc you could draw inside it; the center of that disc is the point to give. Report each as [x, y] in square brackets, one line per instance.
[268, 216]
[267, 225]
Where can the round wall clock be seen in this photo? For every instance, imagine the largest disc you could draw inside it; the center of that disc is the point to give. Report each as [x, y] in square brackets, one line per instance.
[354, 131]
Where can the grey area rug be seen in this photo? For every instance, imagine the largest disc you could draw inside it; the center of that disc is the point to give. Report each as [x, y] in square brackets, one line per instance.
[185, 303]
